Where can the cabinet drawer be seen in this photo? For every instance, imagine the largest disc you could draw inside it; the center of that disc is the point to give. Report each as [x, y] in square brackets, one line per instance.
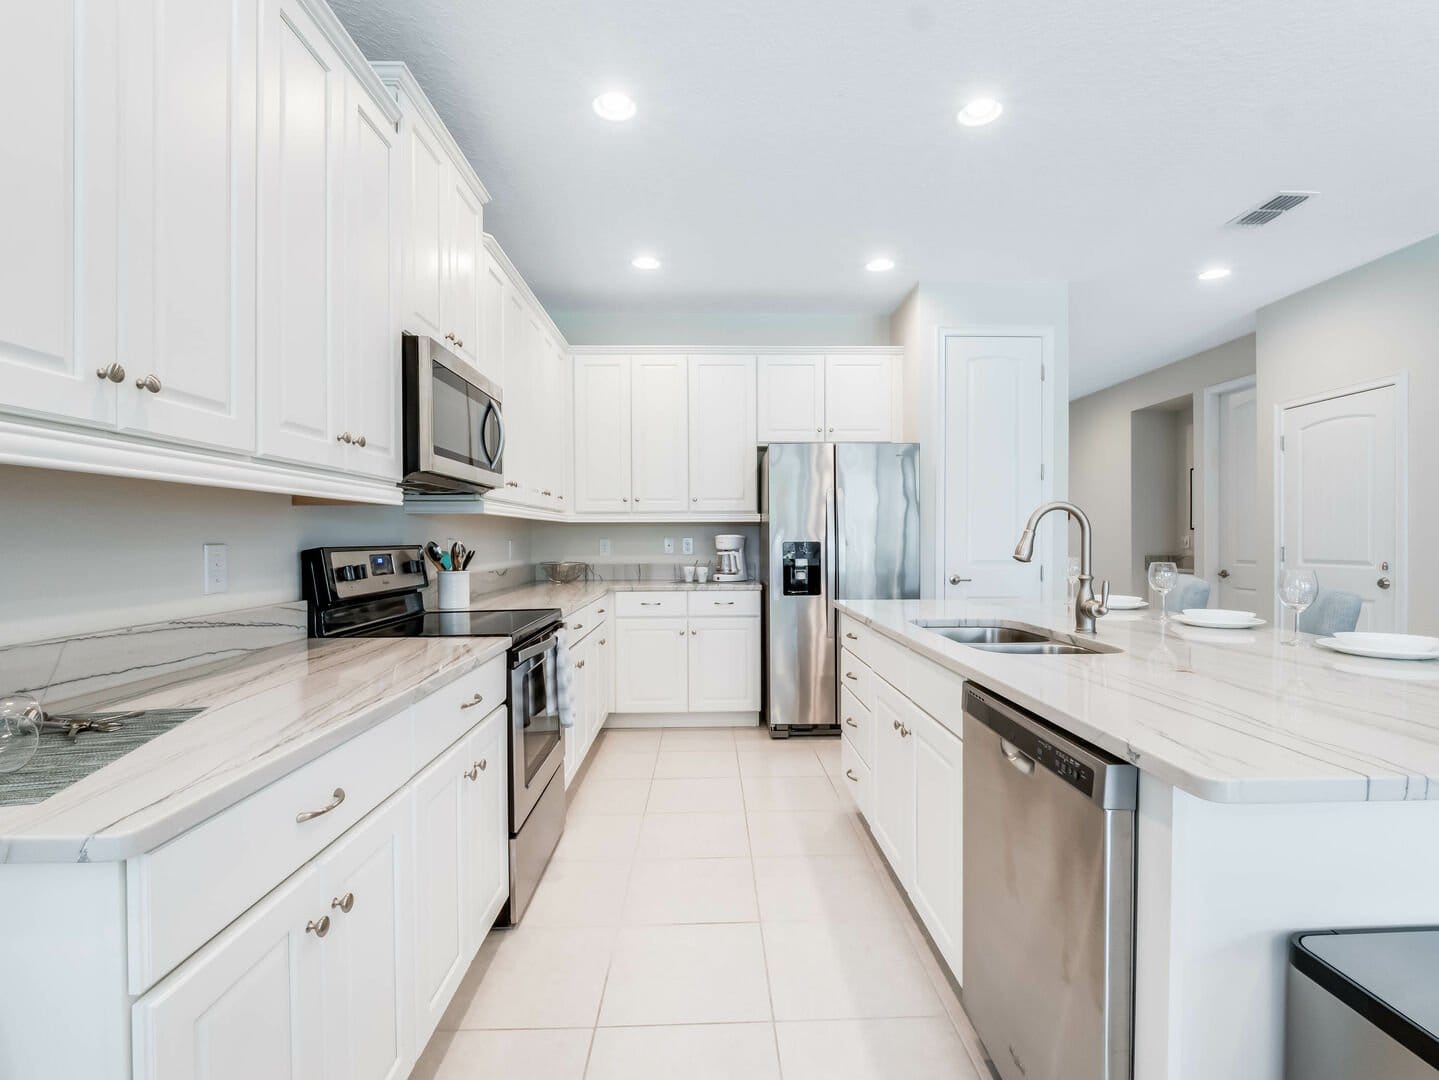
[857, 724]
[854, 775]
[183, 893]
[588, 619]
[634, 604]
[939, 692]
[452, 710]
[890, 661]
[854, 636]
[855, 676]
[729, 602]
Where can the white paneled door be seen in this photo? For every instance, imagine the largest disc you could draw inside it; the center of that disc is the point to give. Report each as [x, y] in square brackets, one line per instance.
[993, 452]
[188, 151]
[1238, 554]
[1341, 498]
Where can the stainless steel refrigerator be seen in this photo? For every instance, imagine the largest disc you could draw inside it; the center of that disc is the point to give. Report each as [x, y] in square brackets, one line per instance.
[838, 521]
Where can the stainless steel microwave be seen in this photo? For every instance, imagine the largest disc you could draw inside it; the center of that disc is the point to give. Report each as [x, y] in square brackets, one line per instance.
[454, 429]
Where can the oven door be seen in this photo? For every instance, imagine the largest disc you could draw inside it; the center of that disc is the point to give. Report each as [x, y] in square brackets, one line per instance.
[537, 746]
[455, 430]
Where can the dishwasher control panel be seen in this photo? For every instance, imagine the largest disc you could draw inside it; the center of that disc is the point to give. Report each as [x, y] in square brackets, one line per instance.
[1066, 767]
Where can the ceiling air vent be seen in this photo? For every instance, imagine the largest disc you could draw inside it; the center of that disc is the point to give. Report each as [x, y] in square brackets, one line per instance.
[1266, 212]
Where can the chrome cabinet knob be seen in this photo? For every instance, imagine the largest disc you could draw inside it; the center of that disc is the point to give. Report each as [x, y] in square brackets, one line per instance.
[319, 927]
[345, 903]
[694, 498]
[896, 725]
[483, 764]
[344, 437]
[359, 440]
[449, 337]
[114, 372]
[149, 382]
[472, 773]
[579, 665]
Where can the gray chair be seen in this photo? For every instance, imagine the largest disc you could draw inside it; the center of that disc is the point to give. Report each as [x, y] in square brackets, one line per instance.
[1190, 592]
[1333, 611]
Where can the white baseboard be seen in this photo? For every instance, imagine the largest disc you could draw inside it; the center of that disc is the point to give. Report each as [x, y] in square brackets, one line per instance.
[703, 719]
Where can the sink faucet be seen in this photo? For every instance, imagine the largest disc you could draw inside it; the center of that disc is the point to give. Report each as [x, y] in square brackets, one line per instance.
[1086, 607]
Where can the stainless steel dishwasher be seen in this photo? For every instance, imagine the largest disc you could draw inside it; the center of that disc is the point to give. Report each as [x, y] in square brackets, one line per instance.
[1048, 897]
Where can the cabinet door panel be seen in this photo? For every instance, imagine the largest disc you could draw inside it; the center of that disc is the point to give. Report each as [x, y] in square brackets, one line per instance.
[892, 780]
[440, 928]
[858, 396]
[299, 386]
[57, 312]
[486, 823]
[462, 276]
[187, 250]
[791, 399]
[724, 664]
[517, 388]
[494, 284]
[659, 433]
[372, 340]
[651, 665]
[426, 246]
[936, 888]
[367, 954]
[248, 1004]
[724, 469]
[602, 434]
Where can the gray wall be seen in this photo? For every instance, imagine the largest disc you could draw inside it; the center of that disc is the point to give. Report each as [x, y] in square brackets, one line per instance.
[719, 328]
[1101, 454]
[1371, 323]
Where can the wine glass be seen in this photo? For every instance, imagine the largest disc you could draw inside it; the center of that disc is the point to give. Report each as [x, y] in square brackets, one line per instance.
[1163, 576]
[19, 731]
[1297, 590]
[1071, 577]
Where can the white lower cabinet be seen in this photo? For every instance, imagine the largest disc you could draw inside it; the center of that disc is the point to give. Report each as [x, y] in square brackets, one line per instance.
[344, 970]
[892, 800]
[938, 872]
[700, 664]
[652, 665]
[724, 664]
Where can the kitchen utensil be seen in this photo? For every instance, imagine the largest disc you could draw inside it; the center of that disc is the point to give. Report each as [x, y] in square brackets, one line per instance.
[564, 573]
[20, 716]
[432, 550]
[1124, 602]
[1215, 619]
[457, 555]
[1297, 590]
[469, 558]
[1379, 650]
[73, 725]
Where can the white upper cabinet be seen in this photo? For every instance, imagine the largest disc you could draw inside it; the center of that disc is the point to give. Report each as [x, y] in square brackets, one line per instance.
[836, 398]
[300, 381]
[659, 433]
[58, 212]
[371, 369]
[425, 248]
[464, 265]
[494, 287]
[723, 465]
[791, 398]
[602, 434]
[188, 157]
[858, 398]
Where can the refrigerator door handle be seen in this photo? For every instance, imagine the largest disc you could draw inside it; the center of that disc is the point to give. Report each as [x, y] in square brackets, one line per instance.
[830, 552]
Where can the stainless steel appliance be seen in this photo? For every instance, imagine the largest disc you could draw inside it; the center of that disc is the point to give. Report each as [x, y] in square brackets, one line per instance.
[1048, 897]
[376, 592]
[838, 521]
[1362, 1003]
[454, 437]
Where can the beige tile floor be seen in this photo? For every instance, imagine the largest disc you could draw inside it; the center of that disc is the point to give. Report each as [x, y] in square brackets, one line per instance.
[714, 910]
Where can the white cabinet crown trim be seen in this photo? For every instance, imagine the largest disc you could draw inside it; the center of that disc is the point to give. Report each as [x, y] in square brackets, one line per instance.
[523, 288]
[397, 75]
[738, 350]
[354, 59]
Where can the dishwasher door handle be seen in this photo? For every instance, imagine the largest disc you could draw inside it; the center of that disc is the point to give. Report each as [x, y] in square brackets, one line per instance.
[1016, 757]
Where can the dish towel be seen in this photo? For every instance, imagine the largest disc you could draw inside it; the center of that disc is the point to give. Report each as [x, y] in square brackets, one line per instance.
[564, 681]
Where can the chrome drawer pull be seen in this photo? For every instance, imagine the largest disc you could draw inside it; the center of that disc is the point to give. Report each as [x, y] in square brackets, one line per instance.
[650, 603]
[319, 928]
[335, 801]
[600, 612]
[851, 675]
[850, 773]
[850, 721]
[578, 626]
[472, 702]
[345, 903]
[850, 636]
[724, 603]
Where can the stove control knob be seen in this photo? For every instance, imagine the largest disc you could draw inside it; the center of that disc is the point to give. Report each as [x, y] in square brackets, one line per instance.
[411, 566]
[356, 572]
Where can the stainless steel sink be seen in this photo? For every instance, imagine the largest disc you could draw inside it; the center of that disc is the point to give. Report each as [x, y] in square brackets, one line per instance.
[1019, 639]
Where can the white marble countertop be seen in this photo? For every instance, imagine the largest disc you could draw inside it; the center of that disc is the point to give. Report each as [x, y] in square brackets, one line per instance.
[264, 715]
[570, 598]
[1229, 716]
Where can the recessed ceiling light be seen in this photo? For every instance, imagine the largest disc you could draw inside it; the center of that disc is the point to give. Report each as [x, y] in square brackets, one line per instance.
[879, 264]
[979, 112]
[645, 262]
[616, 106]
[1214, 273]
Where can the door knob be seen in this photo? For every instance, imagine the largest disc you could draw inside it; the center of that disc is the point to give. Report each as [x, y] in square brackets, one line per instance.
[1224, 573]
[1384, 583]
[955, 579]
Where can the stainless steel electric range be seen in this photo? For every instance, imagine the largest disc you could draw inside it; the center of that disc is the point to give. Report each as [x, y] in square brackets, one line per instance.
[377, 592]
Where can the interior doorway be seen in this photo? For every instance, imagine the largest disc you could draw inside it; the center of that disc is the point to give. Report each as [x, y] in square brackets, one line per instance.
[1162, 512]
[1236, 556]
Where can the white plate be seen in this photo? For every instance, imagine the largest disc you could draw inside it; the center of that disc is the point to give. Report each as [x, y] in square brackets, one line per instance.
[1204, 617]
[1123, 602]
[1409, 644]
[1379, 654]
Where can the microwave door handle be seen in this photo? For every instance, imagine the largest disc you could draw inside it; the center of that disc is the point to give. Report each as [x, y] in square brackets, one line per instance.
[495, 461]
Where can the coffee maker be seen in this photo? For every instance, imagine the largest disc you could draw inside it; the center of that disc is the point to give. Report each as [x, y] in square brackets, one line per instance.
[729, 558]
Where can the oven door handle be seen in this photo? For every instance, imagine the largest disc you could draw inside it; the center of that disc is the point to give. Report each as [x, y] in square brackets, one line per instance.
[537, 649]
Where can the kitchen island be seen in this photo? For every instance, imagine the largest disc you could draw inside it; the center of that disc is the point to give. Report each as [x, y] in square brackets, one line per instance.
[1281, 788]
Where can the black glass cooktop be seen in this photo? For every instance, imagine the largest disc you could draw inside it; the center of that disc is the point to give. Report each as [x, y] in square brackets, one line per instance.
[512, 624]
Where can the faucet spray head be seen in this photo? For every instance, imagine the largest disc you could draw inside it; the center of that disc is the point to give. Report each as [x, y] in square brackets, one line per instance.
[1024, 550]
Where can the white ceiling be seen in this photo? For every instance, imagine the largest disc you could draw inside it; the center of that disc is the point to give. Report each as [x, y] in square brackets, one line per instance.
[778, 145]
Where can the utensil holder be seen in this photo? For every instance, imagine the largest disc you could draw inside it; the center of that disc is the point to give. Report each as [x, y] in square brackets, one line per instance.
[454, 590]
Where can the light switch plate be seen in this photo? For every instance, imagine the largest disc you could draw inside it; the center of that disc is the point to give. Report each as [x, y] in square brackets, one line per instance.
[687, 545]
[217, 568]
[669, 545]
[604, 545]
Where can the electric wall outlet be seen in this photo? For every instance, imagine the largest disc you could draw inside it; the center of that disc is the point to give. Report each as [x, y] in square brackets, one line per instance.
[604, 545]
[669, 545]
[509, 551]
[687, 545]
[217, 568]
